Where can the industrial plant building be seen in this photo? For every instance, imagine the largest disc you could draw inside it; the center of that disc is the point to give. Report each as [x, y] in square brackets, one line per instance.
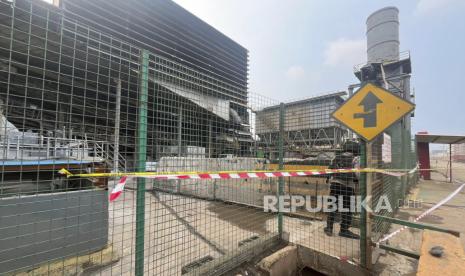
[76, 77]
[309, 127]
[71, 69]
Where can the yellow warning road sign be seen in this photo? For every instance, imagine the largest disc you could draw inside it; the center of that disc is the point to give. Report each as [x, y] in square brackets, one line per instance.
[371, 110]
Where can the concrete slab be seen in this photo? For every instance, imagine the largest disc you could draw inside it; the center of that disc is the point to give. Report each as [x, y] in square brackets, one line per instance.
[326, 264]
[452, 261]
[310, 234]
[284, 262]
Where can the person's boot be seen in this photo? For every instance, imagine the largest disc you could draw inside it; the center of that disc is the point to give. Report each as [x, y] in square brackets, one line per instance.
[348, 234]
[328, 231]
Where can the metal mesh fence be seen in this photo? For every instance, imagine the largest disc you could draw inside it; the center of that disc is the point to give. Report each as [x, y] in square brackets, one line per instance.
[76, 97]
[313, 140]
[392, 189]
[448, 162]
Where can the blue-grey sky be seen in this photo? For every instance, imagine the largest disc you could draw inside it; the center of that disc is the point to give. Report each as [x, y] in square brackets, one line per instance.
[300, 48]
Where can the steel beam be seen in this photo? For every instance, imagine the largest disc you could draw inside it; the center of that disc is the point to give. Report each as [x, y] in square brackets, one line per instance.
[407, 253]
[416, 225]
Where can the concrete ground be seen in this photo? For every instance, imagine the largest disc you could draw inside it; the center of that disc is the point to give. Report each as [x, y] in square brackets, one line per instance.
[310, 234]
[180, 230]
[449, 216]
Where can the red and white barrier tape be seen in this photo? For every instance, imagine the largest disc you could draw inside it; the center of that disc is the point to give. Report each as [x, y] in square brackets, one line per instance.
[118, 189]
[424, 214]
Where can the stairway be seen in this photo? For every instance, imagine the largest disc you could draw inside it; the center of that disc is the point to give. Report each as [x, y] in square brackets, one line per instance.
[107, 152]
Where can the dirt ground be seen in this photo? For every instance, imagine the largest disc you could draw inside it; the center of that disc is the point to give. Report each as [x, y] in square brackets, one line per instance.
[442, 165]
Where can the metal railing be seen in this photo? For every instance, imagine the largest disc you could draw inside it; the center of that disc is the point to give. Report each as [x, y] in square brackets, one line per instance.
[402, 56]
[17, 148]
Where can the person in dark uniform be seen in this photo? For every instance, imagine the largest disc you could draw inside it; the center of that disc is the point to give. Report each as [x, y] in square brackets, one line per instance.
[342, 187]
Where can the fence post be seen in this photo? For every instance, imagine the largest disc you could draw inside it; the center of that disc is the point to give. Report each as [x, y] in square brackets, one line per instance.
[281, 167]
[117, 126]
[365, 193]
[141, 159]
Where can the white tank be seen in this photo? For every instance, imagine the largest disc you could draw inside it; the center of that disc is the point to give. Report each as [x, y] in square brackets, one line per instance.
[383, 35]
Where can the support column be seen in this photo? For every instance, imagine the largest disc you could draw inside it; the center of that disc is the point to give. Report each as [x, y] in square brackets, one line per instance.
[351, 92]
[280, 189]
[141, 159]
[180, 130]
[117, 126]
[368, 203]
[424, 160]
[210, 138]
[450, 163]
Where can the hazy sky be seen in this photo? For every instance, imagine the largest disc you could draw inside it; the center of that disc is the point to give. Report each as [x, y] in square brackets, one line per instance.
[300, 48]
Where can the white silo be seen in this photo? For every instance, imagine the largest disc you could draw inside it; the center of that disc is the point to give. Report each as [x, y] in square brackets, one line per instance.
[383, 35]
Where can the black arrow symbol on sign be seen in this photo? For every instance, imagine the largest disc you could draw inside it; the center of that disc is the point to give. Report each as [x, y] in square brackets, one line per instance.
[369, 103]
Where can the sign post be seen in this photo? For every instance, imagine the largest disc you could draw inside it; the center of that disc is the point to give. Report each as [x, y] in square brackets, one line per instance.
[141, 161]
[368, 113]
[368, 193]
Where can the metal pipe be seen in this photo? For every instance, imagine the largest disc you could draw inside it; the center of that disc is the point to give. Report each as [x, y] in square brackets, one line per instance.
[5, 154]
[363, 213]
[179, 130]
[17, 146]
[368, 203]
[416, 225]
[450, 163]
[281, 167]
[117, 126]
[209, 138]
[400, 251]
[141, 160]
